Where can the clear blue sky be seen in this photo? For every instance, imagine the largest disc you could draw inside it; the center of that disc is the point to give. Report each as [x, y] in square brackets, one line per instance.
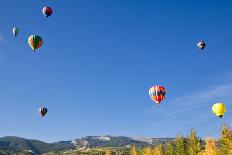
[99, 59]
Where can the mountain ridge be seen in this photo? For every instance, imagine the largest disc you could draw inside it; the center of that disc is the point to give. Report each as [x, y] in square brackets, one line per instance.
[18, 144]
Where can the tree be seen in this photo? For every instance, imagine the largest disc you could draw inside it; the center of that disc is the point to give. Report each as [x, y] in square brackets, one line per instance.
[159, 150]
[211, 147]
[100, 151]
[147, 151]
[133, 151]
[108, 152]
[194, 143]
[170, 149]
[226, 141]
[181, 146]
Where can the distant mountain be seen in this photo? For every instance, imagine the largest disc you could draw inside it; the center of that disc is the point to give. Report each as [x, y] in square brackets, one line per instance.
[117, 141]
[16, 144]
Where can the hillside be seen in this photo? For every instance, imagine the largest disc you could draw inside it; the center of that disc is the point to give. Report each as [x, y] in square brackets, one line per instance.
[16, 144]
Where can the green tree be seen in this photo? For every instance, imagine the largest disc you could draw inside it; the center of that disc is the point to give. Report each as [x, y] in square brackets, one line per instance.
[181, 146]
[226, 141]
[170, 150]
[194, 143]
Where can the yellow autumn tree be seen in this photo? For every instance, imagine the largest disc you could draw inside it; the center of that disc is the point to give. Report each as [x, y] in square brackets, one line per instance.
[147, 151]
[211, 147]
[108, 152]
[100, 151]
[194, 143]
[226, 141]
[159, 150]
[133, 150]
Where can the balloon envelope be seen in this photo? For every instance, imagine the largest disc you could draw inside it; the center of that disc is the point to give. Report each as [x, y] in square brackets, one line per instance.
[219, 109]
[43, 111]
[35, 42]
[15, 31]
[201, 45]
[47, 11]
[157, 93]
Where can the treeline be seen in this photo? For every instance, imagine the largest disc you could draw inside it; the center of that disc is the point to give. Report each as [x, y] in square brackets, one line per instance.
[192, 145]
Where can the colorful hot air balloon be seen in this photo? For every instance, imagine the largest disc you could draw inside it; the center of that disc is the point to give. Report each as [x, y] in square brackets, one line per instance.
[47, 11]
[219, 109]
[43, 111]
[35, 42]
[201, 45]
[15, 31]
[157, 93]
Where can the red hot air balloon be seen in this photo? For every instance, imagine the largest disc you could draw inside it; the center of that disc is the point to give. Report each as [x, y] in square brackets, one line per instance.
[47, 11]
[157, 93]
[43, 111]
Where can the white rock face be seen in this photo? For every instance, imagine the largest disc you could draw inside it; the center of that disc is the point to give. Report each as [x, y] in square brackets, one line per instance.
[30, 151]
[104, 138]
[74, 142]
[85, 143]
[146, 140]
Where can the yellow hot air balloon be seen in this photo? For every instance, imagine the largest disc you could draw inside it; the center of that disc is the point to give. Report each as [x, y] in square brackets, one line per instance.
[219, 109]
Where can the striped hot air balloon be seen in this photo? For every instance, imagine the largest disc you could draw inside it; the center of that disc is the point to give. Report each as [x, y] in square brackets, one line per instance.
[157, 93]
[43, 111]
[47, 11]
[35, 42]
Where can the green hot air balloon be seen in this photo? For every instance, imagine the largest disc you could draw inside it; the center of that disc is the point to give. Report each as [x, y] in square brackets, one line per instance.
[35, 42]
[15, 31]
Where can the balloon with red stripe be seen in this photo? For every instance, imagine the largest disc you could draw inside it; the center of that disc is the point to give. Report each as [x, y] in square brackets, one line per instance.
[47, 11]
[157, 93]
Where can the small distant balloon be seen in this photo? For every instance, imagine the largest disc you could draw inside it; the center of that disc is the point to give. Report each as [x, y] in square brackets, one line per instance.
[47, 11]
[35, 42]
[201, 45]
[157, 93]
[43, 111]
[15, 31]
[219, 109]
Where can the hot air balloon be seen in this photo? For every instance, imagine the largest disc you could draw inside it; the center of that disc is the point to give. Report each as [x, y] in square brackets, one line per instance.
[201, 45]
[35, 42]
[157, 93]
[47, 11]
[43, 111]
[219, 109]
[15, 31]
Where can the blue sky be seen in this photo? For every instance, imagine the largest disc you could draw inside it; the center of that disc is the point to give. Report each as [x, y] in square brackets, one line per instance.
[99, 59]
